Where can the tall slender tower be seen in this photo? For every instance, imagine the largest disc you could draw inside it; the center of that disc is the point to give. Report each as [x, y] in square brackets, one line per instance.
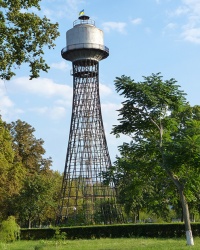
[86, 197]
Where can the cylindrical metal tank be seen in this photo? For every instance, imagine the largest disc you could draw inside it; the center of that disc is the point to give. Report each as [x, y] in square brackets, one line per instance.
[84, 41]
[84, 33]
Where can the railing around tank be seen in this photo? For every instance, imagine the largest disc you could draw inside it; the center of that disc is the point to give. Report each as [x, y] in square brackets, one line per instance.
[85, 46]
[88, 21]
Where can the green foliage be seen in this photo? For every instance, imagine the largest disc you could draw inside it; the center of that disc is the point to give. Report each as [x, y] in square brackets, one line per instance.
[6, 159]
[35, 202]
[165, 230]
[23, 36]
[59, 235]
[37, 197]
[37, 234]
[29, 189]
[165, 144]
[28, 149]
[9, 230]
[11, 172]
[146, 103]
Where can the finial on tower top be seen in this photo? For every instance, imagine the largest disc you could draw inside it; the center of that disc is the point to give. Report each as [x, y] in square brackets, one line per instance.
[82, 15]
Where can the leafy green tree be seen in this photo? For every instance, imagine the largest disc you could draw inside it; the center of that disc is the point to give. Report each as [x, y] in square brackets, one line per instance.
[54, 180]
[11, 173]
[165, 130]
[139, 191]
[29, 189]
[37, 202]
[23, 35]
[28, 149]
[36, 192]
[34, 199]
[6, 158]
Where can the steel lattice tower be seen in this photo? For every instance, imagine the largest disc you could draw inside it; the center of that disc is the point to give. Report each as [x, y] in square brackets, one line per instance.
[86, 198]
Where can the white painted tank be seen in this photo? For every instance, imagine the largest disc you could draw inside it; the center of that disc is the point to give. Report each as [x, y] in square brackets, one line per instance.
[84, 41]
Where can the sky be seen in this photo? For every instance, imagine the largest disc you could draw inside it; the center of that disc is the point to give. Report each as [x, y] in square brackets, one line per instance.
[144, 37]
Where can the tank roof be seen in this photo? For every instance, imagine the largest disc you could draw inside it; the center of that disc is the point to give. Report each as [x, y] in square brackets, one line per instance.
[84, 17]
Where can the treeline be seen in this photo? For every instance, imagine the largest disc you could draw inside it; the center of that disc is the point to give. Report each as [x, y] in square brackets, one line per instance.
[29, 188]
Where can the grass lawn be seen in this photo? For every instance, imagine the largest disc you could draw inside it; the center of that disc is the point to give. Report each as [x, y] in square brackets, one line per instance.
[102, 244]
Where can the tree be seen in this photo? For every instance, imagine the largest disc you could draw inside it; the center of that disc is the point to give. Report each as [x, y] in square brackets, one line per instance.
[23, 35]
[6, 159]
[11, 172]
[28, 149]
[165, 130]
[37, 176]
[36, 202]
[141, 190]
[29, 189]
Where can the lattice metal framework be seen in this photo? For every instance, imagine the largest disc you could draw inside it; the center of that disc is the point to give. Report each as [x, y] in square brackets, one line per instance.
[86, 198]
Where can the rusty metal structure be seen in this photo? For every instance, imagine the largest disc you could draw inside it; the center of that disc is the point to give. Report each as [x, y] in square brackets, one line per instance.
[86, 196]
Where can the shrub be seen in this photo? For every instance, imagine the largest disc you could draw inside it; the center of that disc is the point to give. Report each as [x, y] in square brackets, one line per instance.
[59, 235]
[9, 230]
[165, 230]
[37, 233]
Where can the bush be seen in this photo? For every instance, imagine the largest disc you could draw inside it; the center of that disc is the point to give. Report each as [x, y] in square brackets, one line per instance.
[9, 230]
[165, 230]
[37, 233]
[59, 235]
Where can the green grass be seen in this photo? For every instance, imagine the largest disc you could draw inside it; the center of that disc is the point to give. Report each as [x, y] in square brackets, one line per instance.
[102, 244]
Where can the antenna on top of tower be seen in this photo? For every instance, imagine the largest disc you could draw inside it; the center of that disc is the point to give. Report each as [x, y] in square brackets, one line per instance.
[82, 16]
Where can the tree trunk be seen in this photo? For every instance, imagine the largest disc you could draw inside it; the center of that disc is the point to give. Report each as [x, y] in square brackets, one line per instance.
[186, 214]
[29, 223]
[186, 217]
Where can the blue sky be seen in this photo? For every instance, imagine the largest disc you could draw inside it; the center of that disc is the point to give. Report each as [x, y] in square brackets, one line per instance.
[144, 37]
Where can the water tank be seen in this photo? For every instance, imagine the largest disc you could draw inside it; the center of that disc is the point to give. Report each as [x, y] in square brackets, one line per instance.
[84, 41]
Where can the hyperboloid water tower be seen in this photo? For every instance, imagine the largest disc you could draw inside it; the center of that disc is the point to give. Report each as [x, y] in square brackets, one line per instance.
[86, 197]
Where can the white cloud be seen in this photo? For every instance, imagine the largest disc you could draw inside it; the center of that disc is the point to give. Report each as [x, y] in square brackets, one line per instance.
[116, 26]
[171, 26]
[34, 93]
[61, 9]
[110, 116]
[48, 88]
[5, 103]
[42, 86]
[136, 21]
[181, 10]
[37, 89]
[193, 5]
[109, 111]
[7, 106]
[188, 14]
[54, 113]
[104, 90]
[192, 35]
[61, 66]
